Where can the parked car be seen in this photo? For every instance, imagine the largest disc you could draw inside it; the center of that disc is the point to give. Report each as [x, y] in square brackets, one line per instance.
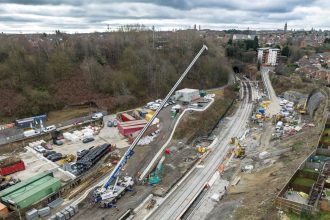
[56, 157]
[97, 115]
[149, 104]
[50, 156]
[87, 140]
[109, 124]
[155, 106]
[40, 149]
[166, 104]
[158, 101]
[47, 146]
[115, 123]
[47, 153]
[58, 142]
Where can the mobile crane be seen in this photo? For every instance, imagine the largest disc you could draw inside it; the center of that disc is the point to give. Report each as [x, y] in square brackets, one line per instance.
[107, 194]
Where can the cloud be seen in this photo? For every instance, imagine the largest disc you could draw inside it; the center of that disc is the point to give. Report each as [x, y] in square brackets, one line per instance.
[86, 15]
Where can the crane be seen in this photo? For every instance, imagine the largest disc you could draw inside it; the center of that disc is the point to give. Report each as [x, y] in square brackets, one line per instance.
[107, 195]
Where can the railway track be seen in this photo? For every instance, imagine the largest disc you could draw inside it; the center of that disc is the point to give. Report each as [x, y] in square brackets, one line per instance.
[178, 201]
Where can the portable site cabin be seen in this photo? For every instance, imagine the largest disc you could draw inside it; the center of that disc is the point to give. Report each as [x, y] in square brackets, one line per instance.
[187, 95]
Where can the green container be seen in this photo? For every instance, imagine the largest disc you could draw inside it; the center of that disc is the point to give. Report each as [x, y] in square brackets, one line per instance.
[173, 114]
[25, 183]
[202, 93]
[32, 191]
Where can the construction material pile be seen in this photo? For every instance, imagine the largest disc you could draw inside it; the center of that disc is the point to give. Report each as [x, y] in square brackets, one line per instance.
[287, 120]
[148, 139]
[86, 132]
[260, 115]
[90, 157]
[36, 143]
[11, 165]
[9, 161]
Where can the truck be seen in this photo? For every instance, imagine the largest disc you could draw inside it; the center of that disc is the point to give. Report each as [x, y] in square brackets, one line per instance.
[116, 191]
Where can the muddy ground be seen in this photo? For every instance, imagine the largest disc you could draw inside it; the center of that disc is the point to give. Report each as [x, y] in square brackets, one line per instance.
[253, 197]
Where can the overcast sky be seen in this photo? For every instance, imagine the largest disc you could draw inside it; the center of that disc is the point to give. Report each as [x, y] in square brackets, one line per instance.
[26, 16]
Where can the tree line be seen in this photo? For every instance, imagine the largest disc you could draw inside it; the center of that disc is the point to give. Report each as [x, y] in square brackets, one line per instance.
[130, 66]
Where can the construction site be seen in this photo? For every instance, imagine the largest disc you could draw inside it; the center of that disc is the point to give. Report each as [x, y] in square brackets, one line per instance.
[196, 154]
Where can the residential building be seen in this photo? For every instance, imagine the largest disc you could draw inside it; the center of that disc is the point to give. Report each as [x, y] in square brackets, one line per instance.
[243, 37]
[268, 56]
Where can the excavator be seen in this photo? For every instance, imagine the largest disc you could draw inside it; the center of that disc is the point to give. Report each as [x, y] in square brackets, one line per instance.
[303, 108]
[154, 177]
[239, 150]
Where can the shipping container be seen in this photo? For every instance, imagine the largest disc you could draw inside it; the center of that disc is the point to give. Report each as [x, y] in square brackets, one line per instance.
[131, 129]
[130, 123]
[27, 122]
[24, 123]
[13, 168]
[30, 191]
[127, 117]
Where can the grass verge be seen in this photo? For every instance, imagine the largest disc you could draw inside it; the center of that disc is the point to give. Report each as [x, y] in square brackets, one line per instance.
[201, 123]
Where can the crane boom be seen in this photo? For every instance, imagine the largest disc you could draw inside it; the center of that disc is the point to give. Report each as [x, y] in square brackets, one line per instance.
[130, 151]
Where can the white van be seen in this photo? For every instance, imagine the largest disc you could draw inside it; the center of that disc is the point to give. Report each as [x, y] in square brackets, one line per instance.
[97, 115]
[30, 133]
[49, 128]
[155, 106]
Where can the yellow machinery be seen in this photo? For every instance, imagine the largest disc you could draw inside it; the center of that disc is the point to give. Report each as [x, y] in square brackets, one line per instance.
[67, 159]
[201, 149]
[277, 118]
[303, 109]
[239, 150]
